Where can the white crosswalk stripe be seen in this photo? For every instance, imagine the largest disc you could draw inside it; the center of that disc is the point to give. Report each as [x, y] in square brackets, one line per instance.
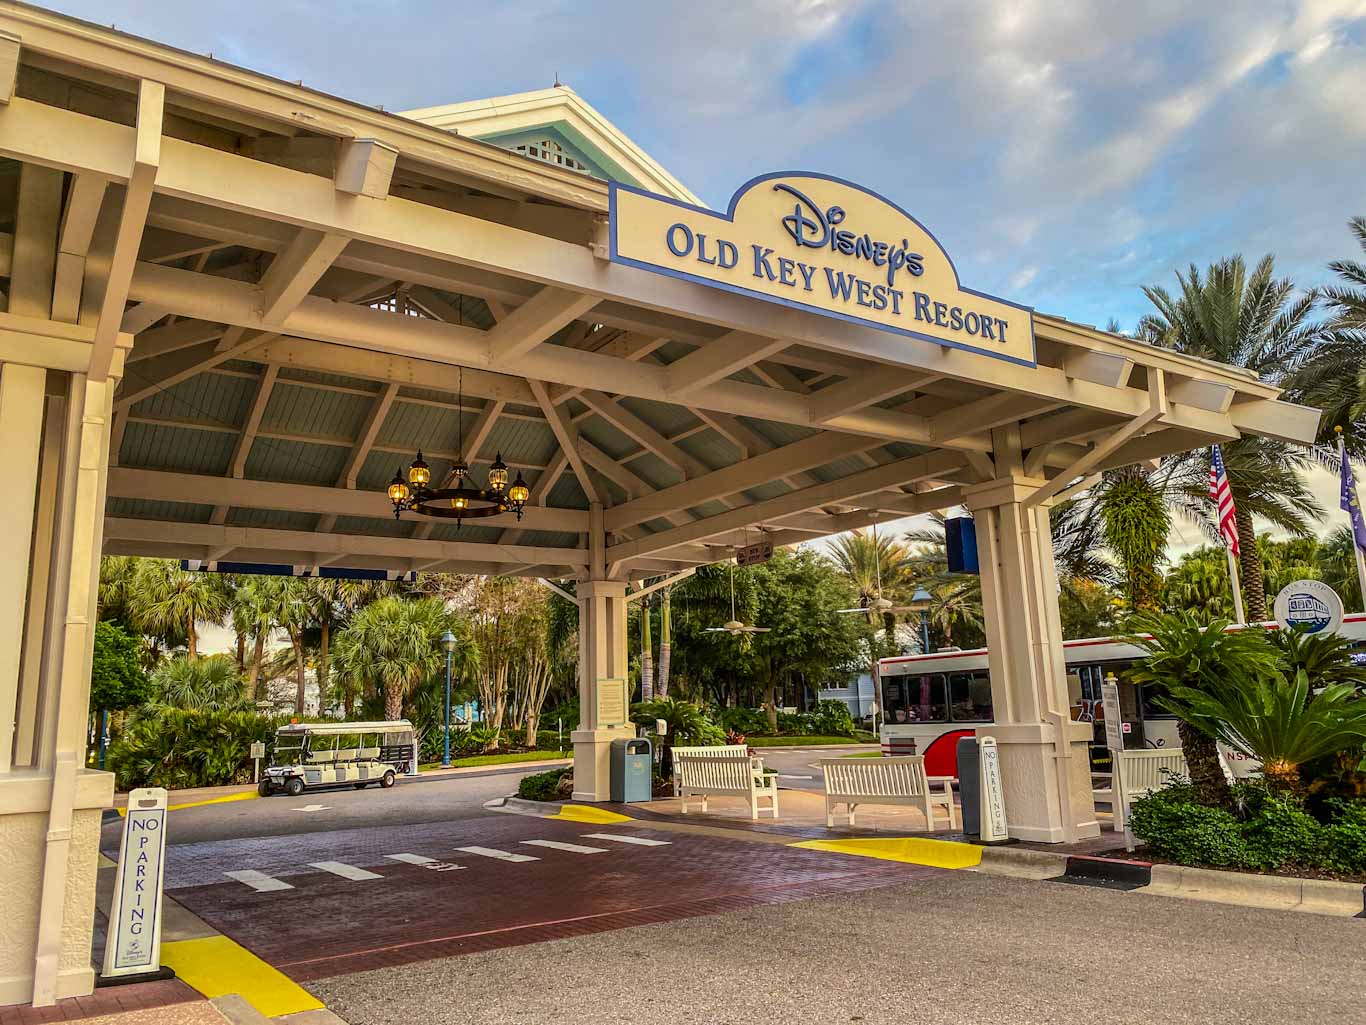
[572, 848]
[638, 840]
[259, 881]
[340, 868]
[422, 861]
[490, 852]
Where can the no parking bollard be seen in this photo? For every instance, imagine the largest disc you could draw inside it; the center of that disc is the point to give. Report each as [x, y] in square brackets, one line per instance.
[133, 948]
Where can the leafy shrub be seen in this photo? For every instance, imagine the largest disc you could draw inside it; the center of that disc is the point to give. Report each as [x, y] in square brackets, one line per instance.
[542, 786]
[795, 724]
[742, 720]
[178, 748]
[832, 719]
[1175, 827]
[1281, 835]
[1344, 839]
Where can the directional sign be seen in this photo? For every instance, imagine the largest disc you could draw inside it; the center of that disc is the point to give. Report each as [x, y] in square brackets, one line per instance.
[134, 945]
[1114, 717]
[752, 555]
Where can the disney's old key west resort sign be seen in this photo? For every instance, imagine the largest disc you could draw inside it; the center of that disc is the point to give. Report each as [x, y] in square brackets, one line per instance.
[826, 245]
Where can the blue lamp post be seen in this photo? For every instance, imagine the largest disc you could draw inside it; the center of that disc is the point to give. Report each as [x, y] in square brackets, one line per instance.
[920, 602]
[448, 641]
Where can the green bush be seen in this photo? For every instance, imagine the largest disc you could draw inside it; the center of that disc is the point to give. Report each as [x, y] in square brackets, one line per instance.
[1282, 836]
[178, 748]
[750, 721]
[832, 719]
[794, 724]
[541, 786]
[1344, 839]
[1176, 828]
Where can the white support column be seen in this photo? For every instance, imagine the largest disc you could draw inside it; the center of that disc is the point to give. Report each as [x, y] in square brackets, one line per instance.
[603, 707]
[21, 424]
[1045, 766]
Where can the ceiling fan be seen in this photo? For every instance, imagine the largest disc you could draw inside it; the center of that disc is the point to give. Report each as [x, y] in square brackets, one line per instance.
[733, 626]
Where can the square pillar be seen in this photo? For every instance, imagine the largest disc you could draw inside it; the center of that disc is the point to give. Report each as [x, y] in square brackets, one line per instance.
[1045, 764]
[50, 804]
[604, 705]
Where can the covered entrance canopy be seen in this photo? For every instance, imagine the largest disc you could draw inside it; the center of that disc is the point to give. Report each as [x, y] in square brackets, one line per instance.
[236, 306]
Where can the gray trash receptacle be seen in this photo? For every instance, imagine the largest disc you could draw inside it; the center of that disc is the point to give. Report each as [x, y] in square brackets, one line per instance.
[632, 770]
[970, 785]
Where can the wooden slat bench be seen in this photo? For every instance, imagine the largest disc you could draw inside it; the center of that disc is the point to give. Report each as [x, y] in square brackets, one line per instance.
[725, 776]
[1140, 773]
[739, 751]
[855, 781]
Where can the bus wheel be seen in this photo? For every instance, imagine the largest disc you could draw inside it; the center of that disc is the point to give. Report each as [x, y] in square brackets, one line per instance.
[388, 779]
[294, 787]
[263, 788]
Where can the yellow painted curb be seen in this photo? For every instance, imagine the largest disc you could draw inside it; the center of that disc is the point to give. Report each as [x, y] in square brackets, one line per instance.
[912, 850]
[216, 966]
[251, 795]
[584, 813]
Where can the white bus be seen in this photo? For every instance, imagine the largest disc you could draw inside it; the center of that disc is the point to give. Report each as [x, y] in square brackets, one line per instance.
[933, 700]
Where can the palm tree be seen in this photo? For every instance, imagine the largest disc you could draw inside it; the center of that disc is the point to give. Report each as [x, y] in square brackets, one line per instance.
[163, 598]
[1255, 321]
[1185, 654]
[665, 643]
[209, 684]
[1271, 718]
[395, 643]
[877, 564]
[253, 615]
[1333, 378]
[647, 667]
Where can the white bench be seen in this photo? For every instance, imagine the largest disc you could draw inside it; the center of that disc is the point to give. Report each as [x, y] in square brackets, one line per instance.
[1140, 773]
[855, 781]
[721, 775]
[738, 751]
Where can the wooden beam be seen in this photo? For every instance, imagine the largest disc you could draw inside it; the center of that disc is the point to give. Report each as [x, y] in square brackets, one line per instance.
[534, 322]
[374, 421]
[241, 450]
[202, 362]
[547, 480]
[865, 390]
[137, 196]
[988, 413]
[83, 202]
[567, 436]
[139, 318]
[365, 167]
[33, 265]
[183, 334]
[10, 46]
[643, 434]
[727, 355]
[293, 273]
[1108, 369]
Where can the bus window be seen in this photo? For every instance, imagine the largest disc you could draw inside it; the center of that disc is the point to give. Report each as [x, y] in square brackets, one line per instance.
[1148, 695]
[916, 699]
[970, 697]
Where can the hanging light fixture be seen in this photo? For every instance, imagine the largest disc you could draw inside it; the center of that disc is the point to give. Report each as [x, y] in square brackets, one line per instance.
[461, 498]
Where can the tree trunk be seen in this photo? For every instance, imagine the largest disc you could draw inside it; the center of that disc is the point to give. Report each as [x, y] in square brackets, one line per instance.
[1250, 568]
[665, 646]
[349, 703]
[532, 722]
[1282, 776]
[393, 701]
[300, 682]
[241, 652]
[323, 645]
[254, 685]
[1202, 758]
[191, 641]
[647, 664]
[771, 700]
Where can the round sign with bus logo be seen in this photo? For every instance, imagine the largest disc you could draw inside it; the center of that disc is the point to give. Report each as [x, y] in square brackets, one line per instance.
[1310, 605]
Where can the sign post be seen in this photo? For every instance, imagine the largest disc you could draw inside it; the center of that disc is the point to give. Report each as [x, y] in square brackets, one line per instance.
[1114, 740]
[133, 948]
[992, 828]
[258, 751]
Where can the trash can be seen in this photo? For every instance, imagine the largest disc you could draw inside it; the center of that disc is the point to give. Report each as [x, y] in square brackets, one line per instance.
[970, 785]
[632, 770]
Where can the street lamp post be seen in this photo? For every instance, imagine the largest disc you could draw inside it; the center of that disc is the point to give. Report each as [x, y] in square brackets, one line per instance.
[920, 602]
[448, 641]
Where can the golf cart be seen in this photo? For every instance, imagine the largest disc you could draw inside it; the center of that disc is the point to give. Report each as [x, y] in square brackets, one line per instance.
[309, 755]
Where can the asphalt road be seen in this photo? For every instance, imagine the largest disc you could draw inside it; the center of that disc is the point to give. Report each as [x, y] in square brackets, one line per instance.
[411, 801]
[796, 768]
[952, 948]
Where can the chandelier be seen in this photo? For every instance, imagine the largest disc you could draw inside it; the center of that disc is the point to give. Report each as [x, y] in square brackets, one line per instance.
[461, 498]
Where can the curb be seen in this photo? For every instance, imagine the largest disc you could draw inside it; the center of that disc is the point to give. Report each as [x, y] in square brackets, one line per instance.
[1313, 896]
[1022, 863]
[1111, 873]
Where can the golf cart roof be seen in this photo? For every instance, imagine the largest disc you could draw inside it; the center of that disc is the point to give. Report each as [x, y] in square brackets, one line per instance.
[333, 728]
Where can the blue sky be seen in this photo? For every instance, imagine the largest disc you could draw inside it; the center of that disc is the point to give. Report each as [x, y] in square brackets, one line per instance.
[1065, 153]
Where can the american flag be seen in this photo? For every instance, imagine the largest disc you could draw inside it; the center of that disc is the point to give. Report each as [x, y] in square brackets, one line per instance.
[1223, 498]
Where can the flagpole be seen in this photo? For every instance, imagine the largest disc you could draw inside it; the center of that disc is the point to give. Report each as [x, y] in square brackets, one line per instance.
[1356, 549]
[1237, 586]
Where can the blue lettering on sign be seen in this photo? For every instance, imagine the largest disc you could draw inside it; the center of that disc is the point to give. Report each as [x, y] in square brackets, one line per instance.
[814, 228]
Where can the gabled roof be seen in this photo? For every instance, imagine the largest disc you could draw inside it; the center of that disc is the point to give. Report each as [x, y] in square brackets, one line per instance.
[559, 109]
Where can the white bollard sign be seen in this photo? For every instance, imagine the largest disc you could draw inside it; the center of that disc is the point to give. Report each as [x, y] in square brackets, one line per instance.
[134, 944]
[993, 824]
